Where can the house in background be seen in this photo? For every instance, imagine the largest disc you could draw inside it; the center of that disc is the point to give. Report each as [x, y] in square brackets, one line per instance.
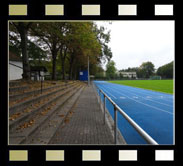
[15, 67]
[128, 74]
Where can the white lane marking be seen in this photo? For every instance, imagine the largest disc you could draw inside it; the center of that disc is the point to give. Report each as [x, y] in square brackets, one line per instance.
[148, 98]
[164, 98]
[145, 104]
[108, 93]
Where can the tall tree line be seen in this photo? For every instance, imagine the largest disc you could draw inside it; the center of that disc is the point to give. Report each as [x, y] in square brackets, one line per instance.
[65, 44]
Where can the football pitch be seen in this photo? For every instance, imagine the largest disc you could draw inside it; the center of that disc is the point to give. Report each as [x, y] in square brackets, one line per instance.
[165, 86]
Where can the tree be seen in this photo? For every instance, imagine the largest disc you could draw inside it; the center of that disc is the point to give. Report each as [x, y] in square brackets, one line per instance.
[22, 29]
[103, 38]
[97, 70]
[146, 69]
[110, 69]
[50, 34]
[69, 43]
[166, 71]
[82, 42]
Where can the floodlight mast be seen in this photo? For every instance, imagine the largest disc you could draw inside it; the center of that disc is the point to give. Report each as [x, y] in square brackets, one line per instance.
[88, 71]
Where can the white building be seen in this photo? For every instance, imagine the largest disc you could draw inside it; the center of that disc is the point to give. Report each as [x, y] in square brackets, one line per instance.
[128, 74]
[15, 67]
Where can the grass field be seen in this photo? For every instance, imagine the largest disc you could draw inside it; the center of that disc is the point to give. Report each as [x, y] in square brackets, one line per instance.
[165, 86]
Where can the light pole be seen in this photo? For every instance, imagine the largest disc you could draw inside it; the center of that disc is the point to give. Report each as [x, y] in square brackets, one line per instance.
[88, 71]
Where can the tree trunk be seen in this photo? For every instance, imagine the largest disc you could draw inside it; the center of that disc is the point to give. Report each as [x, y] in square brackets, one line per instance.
[26, 67]
[63, 61]
[71, 66]
[54, 56]
[53, 67]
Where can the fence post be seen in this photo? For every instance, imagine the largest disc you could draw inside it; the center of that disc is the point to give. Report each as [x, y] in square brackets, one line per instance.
[115, 124]
[104, 108]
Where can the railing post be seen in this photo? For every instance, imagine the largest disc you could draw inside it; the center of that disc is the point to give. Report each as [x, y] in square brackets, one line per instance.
[104, 108]
[115, 125]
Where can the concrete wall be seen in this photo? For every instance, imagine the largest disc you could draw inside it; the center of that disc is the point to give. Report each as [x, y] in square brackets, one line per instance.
[15, 72]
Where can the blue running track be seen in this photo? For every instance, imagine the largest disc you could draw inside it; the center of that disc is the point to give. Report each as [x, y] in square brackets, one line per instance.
[152, 111]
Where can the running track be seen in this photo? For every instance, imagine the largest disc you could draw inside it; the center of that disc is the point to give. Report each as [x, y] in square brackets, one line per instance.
[152, 111]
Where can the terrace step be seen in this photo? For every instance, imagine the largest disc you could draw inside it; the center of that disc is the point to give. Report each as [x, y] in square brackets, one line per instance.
[47, 130]
[25, 94]
[14, 83]
[18, 117]
[18, 88]
[38, 118]
[19, 96]
[23, 105]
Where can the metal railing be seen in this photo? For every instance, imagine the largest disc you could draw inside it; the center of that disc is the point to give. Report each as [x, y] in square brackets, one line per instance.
[141, 132]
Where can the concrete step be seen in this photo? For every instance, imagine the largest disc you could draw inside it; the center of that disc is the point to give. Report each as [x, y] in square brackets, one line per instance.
[14, 83]
[23, 105]
[34, 121]
[25, 94]
[47, 130]
[30, 93]
[18, 117]
[18, 88]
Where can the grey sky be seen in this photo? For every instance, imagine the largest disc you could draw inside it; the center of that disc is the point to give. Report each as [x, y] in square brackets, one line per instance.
[134, 42]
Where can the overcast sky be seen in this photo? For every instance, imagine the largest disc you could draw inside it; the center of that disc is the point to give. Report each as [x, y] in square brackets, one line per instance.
[134, 42]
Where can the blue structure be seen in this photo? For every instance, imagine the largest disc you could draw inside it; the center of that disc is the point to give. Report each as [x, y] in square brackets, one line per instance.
[83, 75]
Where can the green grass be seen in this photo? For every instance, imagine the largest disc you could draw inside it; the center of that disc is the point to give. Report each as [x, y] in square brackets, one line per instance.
[165, 86]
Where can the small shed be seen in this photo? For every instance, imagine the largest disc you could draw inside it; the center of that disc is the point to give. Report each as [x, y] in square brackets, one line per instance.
[38, 72]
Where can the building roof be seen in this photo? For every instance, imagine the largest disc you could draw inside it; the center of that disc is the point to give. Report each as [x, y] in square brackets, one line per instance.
[14, 57]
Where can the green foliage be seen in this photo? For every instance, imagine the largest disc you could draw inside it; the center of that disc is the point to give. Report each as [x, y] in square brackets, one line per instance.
[111, 69]
[69, 44]
[98, 72]
[146, 69]
[35, 52]
[166, 71]
[14, 43]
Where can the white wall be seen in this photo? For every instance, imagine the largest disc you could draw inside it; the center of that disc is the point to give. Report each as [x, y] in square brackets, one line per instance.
[15, 72]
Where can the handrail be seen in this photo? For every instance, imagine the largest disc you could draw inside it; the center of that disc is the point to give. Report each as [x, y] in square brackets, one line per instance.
[142, 133]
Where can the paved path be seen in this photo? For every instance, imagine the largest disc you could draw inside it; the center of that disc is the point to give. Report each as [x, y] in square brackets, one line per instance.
[84, 124]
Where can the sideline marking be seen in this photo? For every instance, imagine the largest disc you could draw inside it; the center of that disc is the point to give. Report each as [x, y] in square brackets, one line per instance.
[145, 104]
[147, 90]
[109, 93]
[149, 98]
